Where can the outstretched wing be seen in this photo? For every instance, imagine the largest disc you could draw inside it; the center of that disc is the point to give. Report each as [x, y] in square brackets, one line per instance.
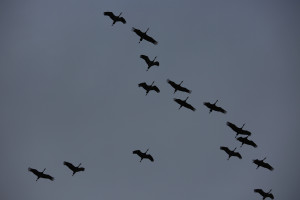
[121, 19]
[156, 63]
[260, 191]
[189, 106]
[268, 166]
[34, 171]
[232, 126]
[149, 157]
[245, 132]
[137, 152]
[251, 143]
[155, 89]
[146, 58]
[69, 165]
[143, 84]
[237, 154]
[207, 104]
[219, 109]
[46, 176]
[137, 31]
[80, 169]
[183, 89]
[150, 39]
[225, 149]
[110, 14]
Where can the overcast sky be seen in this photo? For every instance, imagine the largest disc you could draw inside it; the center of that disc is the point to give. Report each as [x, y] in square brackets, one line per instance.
[69, 92]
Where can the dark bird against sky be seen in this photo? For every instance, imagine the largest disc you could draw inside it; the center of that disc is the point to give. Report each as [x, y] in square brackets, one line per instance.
[231, 152]
[261, 163]
[178, 87]
[73, 168]
[143, 155]
[238, 130]
[148, 88]
[214, 107]
[115, 18]
[264, 194]
[184, 104]
[149, 62]
[245, 140]
[144, 36]
[40, 174]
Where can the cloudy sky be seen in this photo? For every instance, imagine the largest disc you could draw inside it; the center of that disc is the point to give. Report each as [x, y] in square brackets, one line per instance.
[68, 83]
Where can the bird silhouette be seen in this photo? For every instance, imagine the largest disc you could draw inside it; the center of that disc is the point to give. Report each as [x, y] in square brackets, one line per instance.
[73, 168]
[184, 104]
[115, 18]
[214, 107]
[231, 152]
[178, 87]
[261, 163]
[148, 88]
[144, 36]
[143, 155]
[149, 62]
[238, 130]
[264, 194]
[245, 140]
[40, 174]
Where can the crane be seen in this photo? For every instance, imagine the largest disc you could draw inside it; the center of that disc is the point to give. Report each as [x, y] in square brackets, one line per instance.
[184, 104]
[178, 87]
[148, 88]
[214, 107]
[115, 18]
[231, 152]
[73, 168]
[261, 163]
[144, 36]
[40, 174]
[245, 140]
[238, 130]
[143, 155]
[264, 194]
[149, 62]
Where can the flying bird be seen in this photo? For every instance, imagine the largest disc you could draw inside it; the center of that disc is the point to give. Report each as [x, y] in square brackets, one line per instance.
[143, 155]
[238, 130]
[178, 87]
[231, 152]
[40, 174]
[184, 104]
[149, 62]
[214, 107]
[245, 140]
[148, 88]
[115, 18]
[144, 36]
[264, 194]
[73, 168]
[261, 163]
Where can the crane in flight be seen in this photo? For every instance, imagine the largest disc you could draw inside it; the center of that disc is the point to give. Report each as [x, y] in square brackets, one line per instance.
[143, 155]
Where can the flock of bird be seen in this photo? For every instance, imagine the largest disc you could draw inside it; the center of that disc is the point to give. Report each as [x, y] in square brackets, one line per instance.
[182, 103]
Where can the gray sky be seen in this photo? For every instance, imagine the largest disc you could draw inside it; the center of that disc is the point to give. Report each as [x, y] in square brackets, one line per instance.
[69, 93]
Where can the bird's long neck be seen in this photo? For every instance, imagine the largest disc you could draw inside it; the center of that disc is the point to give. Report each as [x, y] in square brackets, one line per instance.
[146, 30]
[270, 191]
[243, 126]
[79, 165]
[120, 14]
[152, 83]
[154, 59]
[186, 99]
[264, 159]
[215, 102]
[146, 151]
[43, 170]
[234, 149]
[180, 82]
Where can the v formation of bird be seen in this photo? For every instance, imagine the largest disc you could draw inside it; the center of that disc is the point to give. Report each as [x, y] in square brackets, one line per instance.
[182, 103]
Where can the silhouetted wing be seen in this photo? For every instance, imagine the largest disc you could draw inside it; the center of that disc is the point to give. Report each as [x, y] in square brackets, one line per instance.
[233, 126]
[149, 157]
[260, 191]
[179, 101]
[121, 19]
[80, 169]
[143, 84]
[46, 176]
[225, 149]
[138, 152]
[271, 196]
[146, 58]
[189, 106]
[156, 63]
[237, 155]
[110, 14]
[174, 85]
[155, 89]
[34, 171]
[150, 39]
[245, 132]
[183, 89]
[137, 31]
[251, 143]
[69, 165]
[207, 104]
[219, 109]
[268, 166]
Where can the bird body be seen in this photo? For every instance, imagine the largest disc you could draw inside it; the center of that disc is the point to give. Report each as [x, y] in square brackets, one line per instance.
[144, 36]
[178, 87]
[261, 163]
[148, 88]
[143, 155]
[245, 140]
[184, 104]
[149, 62]
[214, 107]
[264, 194]
[231, 152]
[115, 18]
[40, 174]
[238, 130]
[73, 168]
